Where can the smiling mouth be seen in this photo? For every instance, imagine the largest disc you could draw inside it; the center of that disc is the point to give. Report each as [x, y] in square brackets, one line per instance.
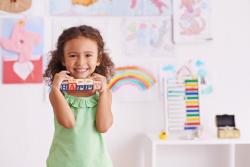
[81, 70]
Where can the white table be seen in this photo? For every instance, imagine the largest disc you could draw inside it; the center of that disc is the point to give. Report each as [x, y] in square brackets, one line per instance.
[153, 141]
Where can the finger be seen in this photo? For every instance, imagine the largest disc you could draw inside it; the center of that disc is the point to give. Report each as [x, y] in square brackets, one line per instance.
[67, 77]
[64, 72]
[96, 82]
[95, 75]
[97, 85]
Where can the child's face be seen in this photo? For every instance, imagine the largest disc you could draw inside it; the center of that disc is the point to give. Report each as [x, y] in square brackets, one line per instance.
[81, 57]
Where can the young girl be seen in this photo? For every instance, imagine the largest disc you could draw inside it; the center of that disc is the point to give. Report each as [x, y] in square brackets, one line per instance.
[80, 116]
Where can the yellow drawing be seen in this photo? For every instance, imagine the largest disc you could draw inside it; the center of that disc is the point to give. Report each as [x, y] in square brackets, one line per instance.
[83, 2]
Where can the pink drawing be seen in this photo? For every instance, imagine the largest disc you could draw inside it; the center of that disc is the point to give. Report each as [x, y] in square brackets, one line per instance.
[21, 41]
[192, 25]
[160, 5]
[133, 3]
[191, 21]
[188, 4]
[142, 26]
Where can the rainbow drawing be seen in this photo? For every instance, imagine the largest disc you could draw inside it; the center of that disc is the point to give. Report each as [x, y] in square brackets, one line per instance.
[132, 75]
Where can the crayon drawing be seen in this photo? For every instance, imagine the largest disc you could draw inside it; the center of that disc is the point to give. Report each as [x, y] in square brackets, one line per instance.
[21, 41]
[206, 86]
[191, 20]
[110, 7]
[147, 37]
[157, 7]
[96, 8]
[134, 83]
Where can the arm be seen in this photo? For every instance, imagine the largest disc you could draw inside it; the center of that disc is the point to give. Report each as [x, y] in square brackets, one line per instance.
[104, 117]
[61, 108]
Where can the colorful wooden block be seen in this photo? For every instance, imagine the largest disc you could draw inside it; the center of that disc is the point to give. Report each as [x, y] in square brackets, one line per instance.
[77, 85]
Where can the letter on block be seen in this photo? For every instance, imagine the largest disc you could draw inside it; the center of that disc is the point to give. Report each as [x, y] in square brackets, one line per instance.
[77, 85]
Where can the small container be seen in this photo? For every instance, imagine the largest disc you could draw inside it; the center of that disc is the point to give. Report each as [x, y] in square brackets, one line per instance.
[226, 126]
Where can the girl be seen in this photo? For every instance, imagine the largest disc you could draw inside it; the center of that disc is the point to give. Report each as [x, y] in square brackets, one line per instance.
[80, 116]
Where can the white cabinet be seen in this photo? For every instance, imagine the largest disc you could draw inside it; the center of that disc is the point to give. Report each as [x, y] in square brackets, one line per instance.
[199, 152]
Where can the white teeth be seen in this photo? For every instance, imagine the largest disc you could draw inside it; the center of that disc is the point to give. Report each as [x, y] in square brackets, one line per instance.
[81, 70]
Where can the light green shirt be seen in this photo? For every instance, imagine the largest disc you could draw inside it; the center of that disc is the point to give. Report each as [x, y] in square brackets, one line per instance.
[83, 145]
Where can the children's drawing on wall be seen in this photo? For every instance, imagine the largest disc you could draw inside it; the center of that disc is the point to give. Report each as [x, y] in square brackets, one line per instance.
[21, 41]
[15, 6]
[96, 7]
[144, 37]
[134, 83]
[205, 78]
[191, 20]
[157, 7]
[111, 7]
[127, 8]
[80, 7]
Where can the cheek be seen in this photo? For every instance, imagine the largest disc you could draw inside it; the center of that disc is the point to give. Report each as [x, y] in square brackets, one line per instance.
[94, 62]
[68, 66]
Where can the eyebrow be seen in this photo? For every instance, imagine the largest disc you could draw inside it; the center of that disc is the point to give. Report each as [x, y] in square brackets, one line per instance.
[88, 52]
[70, 52]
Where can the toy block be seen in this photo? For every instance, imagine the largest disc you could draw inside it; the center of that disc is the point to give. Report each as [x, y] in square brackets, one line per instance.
[77, 85]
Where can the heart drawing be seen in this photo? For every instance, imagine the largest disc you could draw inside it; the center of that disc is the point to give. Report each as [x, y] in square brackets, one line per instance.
[23, 69]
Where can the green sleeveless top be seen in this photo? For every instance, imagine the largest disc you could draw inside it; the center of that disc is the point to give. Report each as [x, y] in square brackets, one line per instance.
[83, 145]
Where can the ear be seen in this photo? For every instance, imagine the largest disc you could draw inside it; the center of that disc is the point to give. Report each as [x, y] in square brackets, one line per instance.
[99, 59]
[98, 62]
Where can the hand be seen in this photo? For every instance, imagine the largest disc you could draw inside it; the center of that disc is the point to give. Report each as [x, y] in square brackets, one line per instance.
[100, 82]
[59, 78]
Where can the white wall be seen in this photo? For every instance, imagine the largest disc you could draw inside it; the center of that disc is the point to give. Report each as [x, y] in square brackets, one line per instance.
[26, 121]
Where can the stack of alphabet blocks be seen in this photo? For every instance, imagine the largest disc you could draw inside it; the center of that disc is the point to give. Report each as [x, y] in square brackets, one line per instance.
[77, 85]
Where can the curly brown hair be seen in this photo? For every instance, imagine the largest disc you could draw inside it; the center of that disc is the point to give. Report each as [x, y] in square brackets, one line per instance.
[106, 67]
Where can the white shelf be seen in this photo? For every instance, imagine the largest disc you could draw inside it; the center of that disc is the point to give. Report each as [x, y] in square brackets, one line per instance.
[154, 142]
[173, 140]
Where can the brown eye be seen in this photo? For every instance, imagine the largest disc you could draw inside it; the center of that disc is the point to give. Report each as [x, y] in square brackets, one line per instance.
[88, 55]
[72, 55]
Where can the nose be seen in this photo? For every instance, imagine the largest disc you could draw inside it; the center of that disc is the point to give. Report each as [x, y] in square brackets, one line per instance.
[81, 60]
